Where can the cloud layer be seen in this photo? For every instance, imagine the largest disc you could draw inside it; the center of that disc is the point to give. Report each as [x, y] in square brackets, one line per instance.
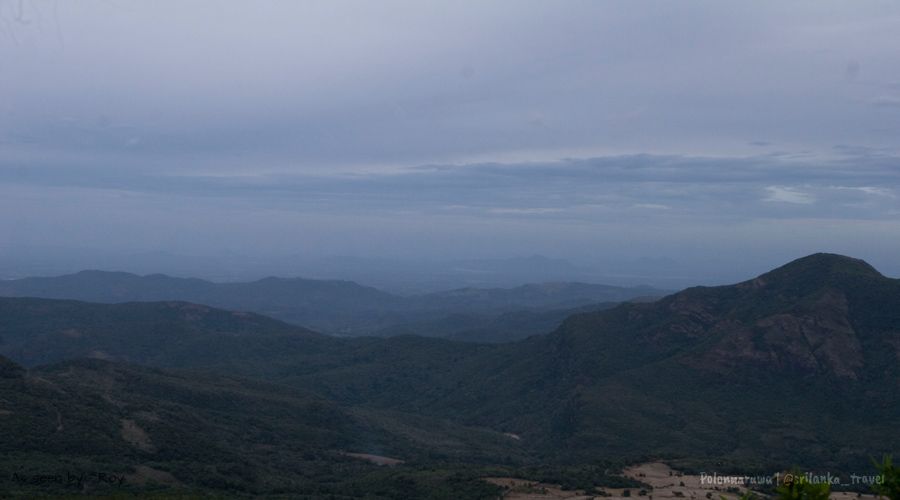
[584, 130]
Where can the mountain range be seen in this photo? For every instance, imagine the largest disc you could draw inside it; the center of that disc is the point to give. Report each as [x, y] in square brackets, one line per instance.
[799, 366]
[332, 306]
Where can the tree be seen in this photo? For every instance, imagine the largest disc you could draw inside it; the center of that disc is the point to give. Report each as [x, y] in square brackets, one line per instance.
[889, 485]
[796, 487]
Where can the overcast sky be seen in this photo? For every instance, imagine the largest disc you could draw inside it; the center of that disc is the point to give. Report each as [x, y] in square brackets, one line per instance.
[699, 131]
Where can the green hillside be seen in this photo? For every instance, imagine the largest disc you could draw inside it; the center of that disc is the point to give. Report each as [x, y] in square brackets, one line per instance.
[184, 432]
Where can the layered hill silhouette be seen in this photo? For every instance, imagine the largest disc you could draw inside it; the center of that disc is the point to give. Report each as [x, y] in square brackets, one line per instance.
[799, 366]
[334, 306]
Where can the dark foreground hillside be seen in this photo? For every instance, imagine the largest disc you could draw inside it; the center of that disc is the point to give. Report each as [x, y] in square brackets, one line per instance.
[95, 426]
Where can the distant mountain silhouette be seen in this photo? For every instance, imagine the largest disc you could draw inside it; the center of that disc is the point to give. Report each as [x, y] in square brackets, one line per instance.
[331, 306]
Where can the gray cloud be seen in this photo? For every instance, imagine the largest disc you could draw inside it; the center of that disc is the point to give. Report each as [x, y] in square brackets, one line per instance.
[861, 185]
[356, 127]
[349, 83]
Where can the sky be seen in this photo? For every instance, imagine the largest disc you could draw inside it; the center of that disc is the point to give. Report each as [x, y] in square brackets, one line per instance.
[718, 134]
